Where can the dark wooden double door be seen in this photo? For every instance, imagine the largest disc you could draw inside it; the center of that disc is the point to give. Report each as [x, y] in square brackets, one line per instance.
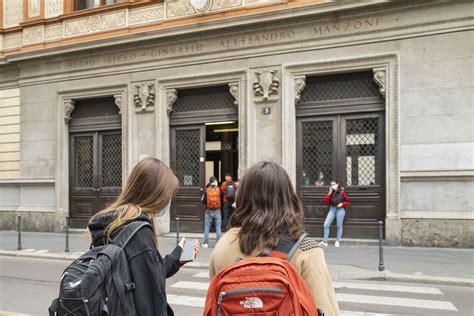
[95, 173]
[341, 136]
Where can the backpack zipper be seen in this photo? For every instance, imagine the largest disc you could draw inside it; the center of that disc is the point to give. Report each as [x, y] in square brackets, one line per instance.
[240, 291]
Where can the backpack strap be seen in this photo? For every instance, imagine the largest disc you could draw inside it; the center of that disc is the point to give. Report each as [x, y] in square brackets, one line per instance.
[127, 232]
[285, 248]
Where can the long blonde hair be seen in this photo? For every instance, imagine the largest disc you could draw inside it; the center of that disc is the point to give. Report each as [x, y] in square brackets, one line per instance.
[149, 189]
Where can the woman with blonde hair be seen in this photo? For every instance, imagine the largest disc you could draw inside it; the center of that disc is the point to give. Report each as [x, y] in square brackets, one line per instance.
[269, 210]
[148, 192]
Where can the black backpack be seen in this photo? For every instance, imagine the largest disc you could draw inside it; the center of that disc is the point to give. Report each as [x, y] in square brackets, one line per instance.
[230, 190]
[99, 282]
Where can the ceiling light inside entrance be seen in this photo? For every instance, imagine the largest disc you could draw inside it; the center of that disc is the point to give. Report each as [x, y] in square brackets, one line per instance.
[225, 130]
[220, 123]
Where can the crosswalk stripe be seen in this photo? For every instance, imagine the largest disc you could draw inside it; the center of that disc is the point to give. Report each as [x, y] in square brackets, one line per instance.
[395, 301]
[191, 285]
[42, 251]
[388, 287]
[185, 300]
[203, 274]
[352, 313]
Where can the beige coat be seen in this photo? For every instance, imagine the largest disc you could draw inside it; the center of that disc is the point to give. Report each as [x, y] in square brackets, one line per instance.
[309, 261]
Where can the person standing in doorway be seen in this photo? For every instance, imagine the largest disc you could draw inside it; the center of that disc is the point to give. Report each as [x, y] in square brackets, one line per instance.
[228, 193]
[338, 201]
[213, 210]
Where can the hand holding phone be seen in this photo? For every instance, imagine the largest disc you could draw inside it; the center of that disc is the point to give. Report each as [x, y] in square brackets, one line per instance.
[189, 252]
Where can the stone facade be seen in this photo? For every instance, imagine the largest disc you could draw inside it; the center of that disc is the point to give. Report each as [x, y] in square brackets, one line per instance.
[423, 68]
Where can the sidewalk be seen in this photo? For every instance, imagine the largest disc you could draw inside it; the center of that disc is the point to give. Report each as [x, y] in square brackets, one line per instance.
[409, 264]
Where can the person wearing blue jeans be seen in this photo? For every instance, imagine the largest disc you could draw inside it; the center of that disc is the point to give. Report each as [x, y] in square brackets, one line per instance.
[209, 217]
[338, 201]
[212, 199]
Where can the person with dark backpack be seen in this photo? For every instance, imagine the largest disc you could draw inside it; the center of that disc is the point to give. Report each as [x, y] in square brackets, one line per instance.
[228, 192]
[266, 264]
[123, 273]
[212, 198]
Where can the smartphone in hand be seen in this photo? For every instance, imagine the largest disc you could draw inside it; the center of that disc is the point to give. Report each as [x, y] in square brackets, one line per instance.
[188, 251]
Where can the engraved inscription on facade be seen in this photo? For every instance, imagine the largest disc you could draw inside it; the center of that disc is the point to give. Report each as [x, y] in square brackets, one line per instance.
[346, 27]
[257, 39]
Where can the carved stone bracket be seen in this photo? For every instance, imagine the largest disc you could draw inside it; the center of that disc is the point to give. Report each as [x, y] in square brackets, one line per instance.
[144, 96]
[379, 78]
[234, 91]
[266, 83]
[69, 106]
[118, 101]
[171, 97]
[300, 84]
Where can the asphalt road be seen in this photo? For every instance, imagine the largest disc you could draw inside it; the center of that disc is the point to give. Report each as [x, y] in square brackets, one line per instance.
[27, 286]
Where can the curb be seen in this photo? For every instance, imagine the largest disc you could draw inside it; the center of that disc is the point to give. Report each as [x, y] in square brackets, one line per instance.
[74, 256]
[389, 276]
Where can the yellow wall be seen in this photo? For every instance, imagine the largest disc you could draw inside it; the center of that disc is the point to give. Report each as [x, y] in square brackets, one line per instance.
[9, 134]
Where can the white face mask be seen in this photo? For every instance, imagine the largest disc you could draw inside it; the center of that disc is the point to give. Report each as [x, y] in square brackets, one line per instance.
[335, 187]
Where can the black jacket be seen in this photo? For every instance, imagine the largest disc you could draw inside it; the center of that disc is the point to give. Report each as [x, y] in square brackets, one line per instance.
[149, 270]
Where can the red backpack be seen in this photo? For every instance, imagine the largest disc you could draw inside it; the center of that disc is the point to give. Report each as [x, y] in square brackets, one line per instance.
[263, 285]
[213, 198]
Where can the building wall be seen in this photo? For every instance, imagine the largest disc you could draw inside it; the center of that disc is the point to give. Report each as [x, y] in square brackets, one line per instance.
[429, 86]
[9, 134]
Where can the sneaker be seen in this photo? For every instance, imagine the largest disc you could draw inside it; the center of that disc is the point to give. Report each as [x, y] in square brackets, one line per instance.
[205, 245]
[323, 244]
[336, 244]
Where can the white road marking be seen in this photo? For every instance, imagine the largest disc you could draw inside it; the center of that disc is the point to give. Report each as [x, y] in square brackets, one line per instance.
[185, 300]
[388, 287]
[351, 313]
[42, 251]
[191, 285]
[203, 274]
[6, 313]
[395, 301]
[28, 250]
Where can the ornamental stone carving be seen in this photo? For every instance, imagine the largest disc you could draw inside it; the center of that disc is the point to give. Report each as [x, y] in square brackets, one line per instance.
[266, 83]
[118, 101]
[171, 97]
[234, 91]
[144, 96]
[69, 106]
[379, 78]
[300, 84]
[94, 23]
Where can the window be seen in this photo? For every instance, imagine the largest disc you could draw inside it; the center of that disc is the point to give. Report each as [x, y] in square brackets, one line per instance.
[89, 4]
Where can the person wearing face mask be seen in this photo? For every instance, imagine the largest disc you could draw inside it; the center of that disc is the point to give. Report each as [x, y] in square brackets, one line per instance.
[338, 201]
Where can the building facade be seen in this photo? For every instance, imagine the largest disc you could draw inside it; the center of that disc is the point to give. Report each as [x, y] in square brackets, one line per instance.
[378, 95]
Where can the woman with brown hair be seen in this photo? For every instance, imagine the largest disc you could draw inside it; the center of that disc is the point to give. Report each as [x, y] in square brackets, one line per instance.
[148, 192]
[267, 209]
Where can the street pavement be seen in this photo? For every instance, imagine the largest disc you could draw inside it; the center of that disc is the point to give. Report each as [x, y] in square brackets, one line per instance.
[27, 286]
[350, 261]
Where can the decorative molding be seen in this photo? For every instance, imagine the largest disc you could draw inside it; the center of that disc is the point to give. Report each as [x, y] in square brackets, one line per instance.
[69, 106]
[266, 83]
[225, 4]
[379, 78]
[300, 84]
[234, 91]
[33, 35]
[150, 14]
[171, 97]
[437, 175]
[13, 40]
[33, 8]
[118, 101]
[53, 8]
[12, 13]
[53, 32]
[144, 96]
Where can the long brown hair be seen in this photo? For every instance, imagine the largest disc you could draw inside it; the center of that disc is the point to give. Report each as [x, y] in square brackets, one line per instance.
[149, 189]
[267, 207]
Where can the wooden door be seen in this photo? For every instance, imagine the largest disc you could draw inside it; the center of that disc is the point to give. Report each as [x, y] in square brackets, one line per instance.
[188, 163]
[348, 148]
[95, 174]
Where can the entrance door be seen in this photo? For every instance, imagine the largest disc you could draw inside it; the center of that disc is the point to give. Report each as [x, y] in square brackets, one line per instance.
[340, 136]
[95, 173]
[350, 149]
[188, 162]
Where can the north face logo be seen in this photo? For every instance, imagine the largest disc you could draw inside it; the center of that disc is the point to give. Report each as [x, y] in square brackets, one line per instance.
[252, 302]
